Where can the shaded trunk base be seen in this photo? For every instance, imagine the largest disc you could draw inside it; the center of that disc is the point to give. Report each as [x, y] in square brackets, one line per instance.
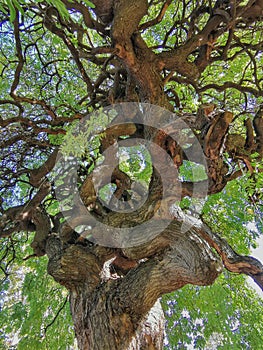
[100, 328]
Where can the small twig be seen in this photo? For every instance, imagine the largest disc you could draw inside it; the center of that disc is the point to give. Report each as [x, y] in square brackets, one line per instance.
[56, 316]
[158, 18]
[168, 77]
[29, 257]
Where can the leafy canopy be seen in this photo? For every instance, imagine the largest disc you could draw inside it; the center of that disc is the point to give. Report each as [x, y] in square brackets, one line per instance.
[51, 93]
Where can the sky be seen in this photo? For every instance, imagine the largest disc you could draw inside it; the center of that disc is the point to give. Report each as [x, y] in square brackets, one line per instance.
[257, 253]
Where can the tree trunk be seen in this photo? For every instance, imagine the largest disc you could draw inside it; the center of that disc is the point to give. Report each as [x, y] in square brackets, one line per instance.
[122, 311]
[114, 292]
[115, 288]
[99, 324]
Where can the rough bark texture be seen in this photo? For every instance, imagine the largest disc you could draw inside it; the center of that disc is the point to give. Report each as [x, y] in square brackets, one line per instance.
[114, 292]
[119, 306]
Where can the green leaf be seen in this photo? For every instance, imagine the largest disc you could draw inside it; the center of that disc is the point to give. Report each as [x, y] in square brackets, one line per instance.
[88, 3]
[18, 6]
[12, 10]
[60, 6]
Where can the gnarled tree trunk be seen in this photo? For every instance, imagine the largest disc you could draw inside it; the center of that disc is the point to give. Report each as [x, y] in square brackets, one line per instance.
[114, 292]
[115, 288]
[112, 311]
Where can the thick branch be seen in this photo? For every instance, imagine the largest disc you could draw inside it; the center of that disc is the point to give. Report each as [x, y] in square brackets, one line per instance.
[37, 175]
[20, 217]
[229, 85]
[258, 127]
[19, 55]
[73, 266]
[233, 261]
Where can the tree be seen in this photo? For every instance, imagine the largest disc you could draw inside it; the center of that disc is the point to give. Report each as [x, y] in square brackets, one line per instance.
[191, 73]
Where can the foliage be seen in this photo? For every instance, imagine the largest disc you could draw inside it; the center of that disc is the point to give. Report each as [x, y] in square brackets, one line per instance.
[136, 162]
[82, 138]
[232, 213]
[56, 69]
[14, 5]
[34, 309]
[226, 314]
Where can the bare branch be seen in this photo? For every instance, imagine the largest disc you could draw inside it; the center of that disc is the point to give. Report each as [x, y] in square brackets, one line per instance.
[230, 84]
[158, 19]
[233, 261]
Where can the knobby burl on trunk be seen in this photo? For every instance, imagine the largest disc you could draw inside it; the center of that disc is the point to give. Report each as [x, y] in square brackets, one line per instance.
[108, 309]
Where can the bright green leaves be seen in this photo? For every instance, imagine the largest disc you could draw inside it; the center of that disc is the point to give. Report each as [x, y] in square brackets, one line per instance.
[136, 162]
[60, 6]
[88, 3]
[34, 309]
[253, 183]
[15, 5]
[228, 213]
[190, 171]
[82, 139]
[218, 316]
[3, 8]
[56, 140]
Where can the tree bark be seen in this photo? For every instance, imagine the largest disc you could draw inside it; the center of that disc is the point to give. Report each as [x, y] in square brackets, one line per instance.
[114, 292]
[112, 311]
